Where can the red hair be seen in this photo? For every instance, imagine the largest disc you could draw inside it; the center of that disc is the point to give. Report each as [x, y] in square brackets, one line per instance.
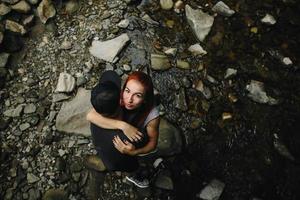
[148, 103]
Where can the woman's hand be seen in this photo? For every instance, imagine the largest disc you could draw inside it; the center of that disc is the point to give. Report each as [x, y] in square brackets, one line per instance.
[124, 147]
[131, 132]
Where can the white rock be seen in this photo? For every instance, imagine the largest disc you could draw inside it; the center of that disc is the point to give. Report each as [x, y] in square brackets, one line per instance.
[222, 9]
[230, 72]
[212, 191]
[287, 61]
[196, 49]
[171, 51]
[108, 50]
[258, 94]
[199, 21]
[268, 19]
[24, 126]
[124, 23]
[61, 152]
[148, 19]
[166, 4]
[66, 83]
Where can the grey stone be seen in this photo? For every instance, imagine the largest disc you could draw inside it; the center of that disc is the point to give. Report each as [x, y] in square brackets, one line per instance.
[29, 108]
[222, 9]
[31, 178]
[66, 45]
[28, 21]
[199, 21]
[3, 59]
[171, 51]
[169, 139]
[160, 62]
[24, 126]
[52, 115]
[34, 194]
[15, 112]
[258, 94]
[72, 116]
[164, 182]
[148, 19]
[57, 97]
[212, 191]
[108, 50]
[123, 24]
[66, 83]
[197, 49]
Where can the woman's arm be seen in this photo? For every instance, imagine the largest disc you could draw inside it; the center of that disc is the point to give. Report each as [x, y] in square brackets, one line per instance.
[109, 123]
[152, 131]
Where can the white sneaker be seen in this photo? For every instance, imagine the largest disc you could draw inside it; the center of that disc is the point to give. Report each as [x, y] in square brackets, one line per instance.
[141, 183]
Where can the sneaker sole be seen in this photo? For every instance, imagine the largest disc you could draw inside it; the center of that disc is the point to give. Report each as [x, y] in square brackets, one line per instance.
[136, 184]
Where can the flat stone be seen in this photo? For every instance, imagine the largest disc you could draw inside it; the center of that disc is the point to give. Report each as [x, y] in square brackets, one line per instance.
[124, 23]
[66, 83]
[55, 194]
[222, 9]
[160, 62]
[14, 112]
[149, 20]
[108, 50]
[29, 108]
[72, 6]
[24, 126]
[199, 21]
[57, 97]
[169, 139]
[197, 49]
[164, 182]
[72, 115]
[31, 178]
[212, 191]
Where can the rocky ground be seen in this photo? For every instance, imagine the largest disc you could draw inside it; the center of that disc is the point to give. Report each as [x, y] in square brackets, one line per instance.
[227, 74]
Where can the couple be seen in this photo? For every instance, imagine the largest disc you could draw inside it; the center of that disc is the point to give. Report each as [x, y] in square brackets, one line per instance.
[124, 122]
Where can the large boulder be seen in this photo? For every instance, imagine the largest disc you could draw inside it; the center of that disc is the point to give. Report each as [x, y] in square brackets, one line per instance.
[169, 140]
[72, 115]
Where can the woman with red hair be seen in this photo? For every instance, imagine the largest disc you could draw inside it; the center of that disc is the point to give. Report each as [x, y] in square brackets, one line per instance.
[139, 112]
